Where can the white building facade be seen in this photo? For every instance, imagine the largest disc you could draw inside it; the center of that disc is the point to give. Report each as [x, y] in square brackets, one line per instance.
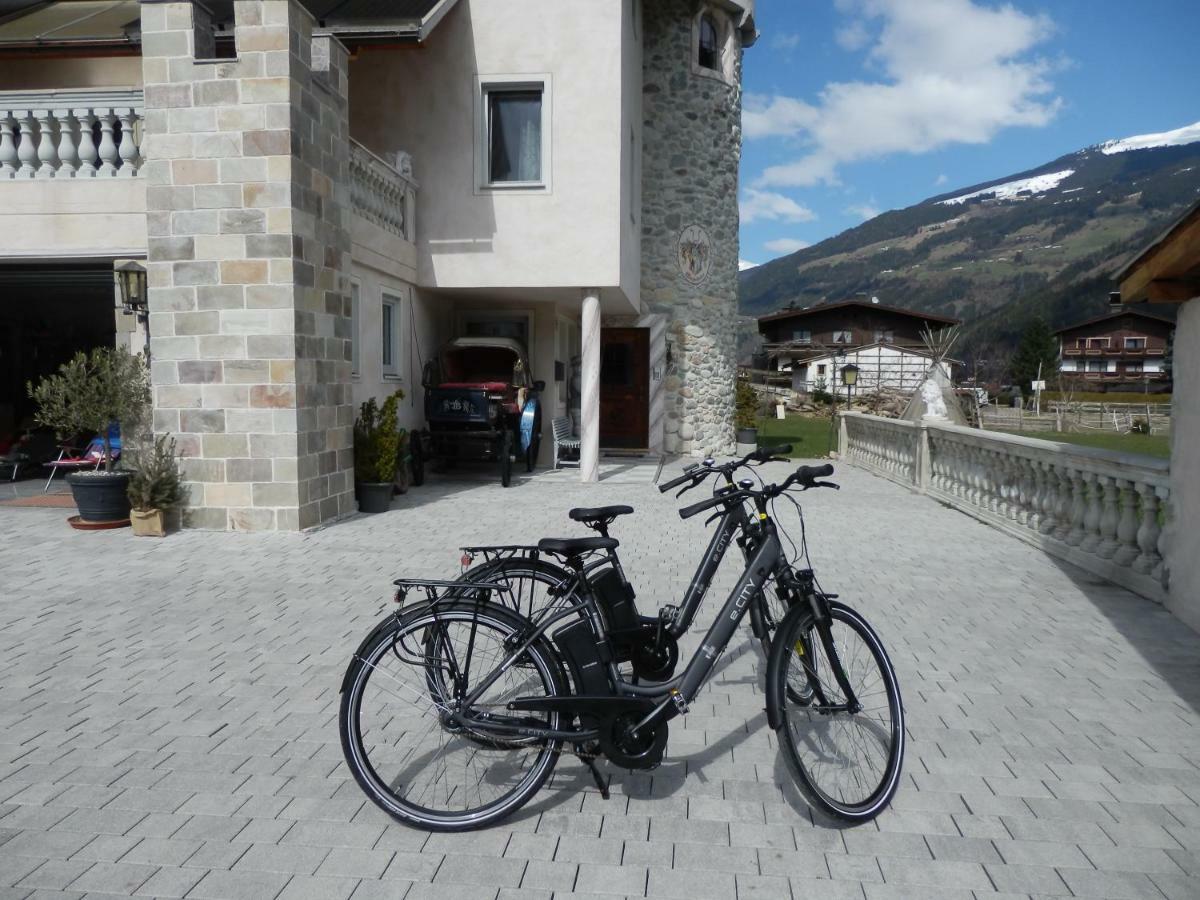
[322, 202]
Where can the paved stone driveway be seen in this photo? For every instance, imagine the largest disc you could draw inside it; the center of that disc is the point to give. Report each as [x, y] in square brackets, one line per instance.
[168, 719]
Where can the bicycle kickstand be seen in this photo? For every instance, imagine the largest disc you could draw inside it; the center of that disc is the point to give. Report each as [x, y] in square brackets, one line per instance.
[602, 783]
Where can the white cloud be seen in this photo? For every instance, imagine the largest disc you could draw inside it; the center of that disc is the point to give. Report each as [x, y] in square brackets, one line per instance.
[863, 210]
[953, 71]
[786, 245]
[785, 41]
[744, 264]
[776, 116]
[757, 206]
[940, 180]
[854, 36]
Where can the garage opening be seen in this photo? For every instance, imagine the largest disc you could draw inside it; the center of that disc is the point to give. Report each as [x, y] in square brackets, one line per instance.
[48, 313]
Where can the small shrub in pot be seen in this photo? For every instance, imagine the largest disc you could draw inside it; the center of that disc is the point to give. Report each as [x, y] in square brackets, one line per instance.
[376, 452]
[155, 487]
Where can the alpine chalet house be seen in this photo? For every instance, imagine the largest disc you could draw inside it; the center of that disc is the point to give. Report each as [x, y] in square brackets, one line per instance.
[323, 192]
[815, 343]
[1123, 350]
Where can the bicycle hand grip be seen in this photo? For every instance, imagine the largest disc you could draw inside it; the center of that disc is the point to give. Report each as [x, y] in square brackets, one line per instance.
[675, 482]
[764, 454]
[806, 474]
[688, 511]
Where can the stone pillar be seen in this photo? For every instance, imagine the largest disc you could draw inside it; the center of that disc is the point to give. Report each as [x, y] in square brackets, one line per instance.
[691, 148]
[246, 172]
[1182, 562]
[589, 419]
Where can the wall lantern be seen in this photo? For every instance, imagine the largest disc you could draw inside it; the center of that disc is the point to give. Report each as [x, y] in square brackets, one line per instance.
[131, 280]
[849, 375]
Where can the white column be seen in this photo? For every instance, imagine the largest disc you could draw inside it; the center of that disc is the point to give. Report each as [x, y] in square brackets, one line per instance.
[589, 411]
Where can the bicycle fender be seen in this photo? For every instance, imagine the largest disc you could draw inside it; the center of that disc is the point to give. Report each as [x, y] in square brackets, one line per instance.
[387, 622]
[775, 666]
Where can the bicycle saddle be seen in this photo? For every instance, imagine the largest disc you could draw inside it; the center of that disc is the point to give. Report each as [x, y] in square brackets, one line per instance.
[576, 546]
[594, 514]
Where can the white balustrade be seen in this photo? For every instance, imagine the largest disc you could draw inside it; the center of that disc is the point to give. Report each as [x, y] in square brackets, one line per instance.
[382, 193]
[1101, 510]
[70, 134]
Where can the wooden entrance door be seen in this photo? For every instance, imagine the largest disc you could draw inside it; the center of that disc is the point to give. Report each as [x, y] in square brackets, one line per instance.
[625, 387]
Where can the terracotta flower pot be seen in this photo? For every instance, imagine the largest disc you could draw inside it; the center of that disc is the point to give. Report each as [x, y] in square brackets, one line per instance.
[147, 522]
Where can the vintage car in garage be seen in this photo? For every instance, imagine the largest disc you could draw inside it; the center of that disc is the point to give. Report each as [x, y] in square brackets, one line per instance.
[481, 403]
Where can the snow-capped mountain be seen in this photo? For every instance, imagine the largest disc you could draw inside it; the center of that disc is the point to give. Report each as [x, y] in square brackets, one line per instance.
[1045, 240]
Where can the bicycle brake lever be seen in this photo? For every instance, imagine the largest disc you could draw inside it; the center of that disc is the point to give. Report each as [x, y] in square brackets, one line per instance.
[828, 484]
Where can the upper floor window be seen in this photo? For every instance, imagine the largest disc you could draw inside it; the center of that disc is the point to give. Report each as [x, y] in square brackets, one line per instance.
[355, 346]
[512, 133]
[843, 336]
[710, 49]
[1135, 343]
[389, 334]
[884, 336]
[1098, 343]
[802, 336]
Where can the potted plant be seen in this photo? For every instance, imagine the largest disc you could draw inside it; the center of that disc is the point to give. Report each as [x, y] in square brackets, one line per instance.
[745, 418]
[87, 396]
[154, 487]
[376, 446]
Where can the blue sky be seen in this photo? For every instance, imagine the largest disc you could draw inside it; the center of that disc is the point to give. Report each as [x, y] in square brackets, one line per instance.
[856, 106]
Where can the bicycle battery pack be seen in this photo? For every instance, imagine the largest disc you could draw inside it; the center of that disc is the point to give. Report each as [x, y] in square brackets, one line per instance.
[615, 599]
[587, 656]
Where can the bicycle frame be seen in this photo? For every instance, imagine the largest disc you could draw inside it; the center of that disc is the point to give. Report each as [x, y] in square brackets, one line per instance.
[676, 694]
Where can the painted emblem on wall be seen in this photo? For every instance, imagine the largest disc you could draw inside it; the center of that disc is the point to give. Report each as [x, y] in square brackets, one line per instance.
[695, 253]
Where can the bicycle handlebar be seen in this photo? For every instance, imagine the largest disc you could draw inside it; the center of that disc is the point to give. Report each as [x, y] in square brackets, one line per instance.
[696, 472]
[806, 476]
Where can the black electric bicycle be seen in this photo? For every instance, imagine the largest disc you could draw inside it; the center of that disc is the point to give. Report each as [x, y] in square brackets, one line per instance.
[648, 643]
[456, 708]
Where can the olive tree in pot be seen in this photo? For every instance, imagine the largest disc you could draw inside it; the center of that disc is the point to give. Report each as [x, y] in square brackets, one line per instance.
[154, 487]
[376, 445]
[86, 396]
[745, 417]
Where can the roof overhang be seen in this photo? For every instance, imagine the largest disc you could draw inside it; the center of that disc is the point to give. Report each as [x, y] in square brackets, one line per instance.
[114, 25]
[1167, 271]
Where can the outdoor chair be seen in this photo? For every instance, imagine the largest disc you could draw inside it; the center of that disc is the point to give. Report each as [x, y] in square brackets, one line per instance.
[92, 457]
[563, 440]
[12, 458]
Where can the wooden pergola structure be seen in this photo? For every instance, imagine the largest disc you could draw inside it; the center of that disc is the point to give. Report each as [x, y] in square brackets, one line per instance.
[1167, 271]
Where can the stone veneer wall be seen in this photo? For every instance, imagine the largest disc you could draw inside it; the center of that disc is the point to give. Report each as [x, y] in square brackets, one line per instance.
[691, 148]
[246, 168]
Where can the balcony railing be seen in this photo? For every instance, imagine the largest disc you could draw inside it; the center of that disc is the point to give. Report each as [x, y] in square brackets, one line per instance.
[1101, 510]
[383, 193]
[70, 134]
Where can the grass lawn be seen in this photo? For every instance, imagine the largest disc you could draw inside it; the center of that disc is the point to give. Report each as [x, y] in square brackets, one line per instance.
[1149, 444]
[809, 437]
[1111, 397]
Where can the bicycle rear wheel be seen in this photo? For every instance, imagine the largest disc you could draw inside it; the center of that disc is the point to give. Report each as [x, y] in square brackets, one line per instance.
[846, 760]
[400, 741]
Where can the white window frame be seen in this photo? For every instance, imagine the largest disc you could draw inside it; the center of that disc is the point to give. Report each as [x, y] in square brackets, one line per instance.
[355, 328]
[885, 335]
[484, 85]
[725, 44]
[843, 336]
[391, 371]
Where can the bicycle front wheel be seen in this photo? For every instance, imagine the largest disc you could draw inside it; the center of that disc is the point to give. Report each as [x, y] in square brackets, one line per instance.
[846, 756]
[401, 741]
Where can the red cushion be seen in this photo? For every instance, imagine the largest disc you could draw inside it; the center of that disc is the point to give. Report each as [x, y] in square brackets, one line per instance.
[493, 386]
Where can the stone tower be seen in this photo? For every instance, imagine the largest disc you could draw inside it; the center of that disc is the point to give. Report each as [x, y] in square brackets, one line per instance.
[691, 149]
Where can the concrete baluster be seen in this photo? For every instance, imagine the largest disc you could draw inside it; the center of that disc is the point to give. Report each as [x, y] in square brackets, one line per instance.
[27, 150]
[67, 155]
[109, 156]
[46, 151]
[1079, 507]
[1109, 518]
[128, 149]
[8, 146]
[1127, 525]
[87, 144]
[1148, 530]
[1092, 513]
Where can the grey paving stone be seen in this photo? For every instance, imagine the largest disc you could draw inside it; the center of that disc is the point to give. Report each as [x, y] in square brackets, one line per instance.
[113, 878]
[303, 887]
[350, 863]
[968, 876]
[482, 870]
[171, 882]
[288, 860]
[676, 883]
[541, 874]
[239, 886]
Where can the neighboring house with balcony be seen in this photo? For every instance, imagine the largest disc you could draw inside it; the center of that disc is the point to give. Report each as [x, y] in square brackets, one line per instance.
[323, 192]
[1121, 350]
[886, 343]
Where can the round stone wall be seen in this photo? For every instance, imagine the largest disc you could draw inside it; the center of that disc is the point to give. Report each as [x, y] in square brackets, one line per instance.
[691, 148]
